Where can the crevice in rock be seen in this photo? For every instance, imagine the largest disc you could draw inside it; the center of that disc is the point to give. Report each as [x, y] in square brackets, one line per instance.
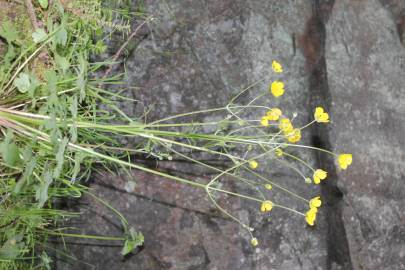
[397, 10]
[312, 44]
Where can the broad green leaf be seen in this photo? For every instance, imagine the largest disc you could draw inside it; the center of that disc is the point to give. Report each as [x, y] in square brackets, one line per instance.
[23, 82]
[8, 32]
[43, 3]
[134, 239]
[39, 35]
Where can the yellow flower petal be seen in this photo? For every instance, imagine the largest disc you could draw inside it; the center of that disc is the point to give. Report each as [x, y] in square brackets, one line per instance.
[277, 88]
[276, 66]
[319, 175]
[254, 242]
[310, 216]
[274, 114]
[285, 125]
[345, 160]
[321, 116]
[279, 152]
[253, 164]
[268, 186]
[294, 136]
[315, 202]
[266, 206]
[264, 121]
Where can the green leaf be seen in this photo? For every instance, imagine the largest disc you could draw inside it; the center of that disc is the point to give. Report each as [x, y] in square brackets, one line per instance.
[39, 35]
[82, 76]
[34, 84]
[60, 157]
[61, 36]
[22, 82]
[41, 194]
[12, 248]
[25, 178]
[79, 156]
[43, 3]
[8, 32]
[62, 62]
[135, 239]
[26, 83]
[9, 150]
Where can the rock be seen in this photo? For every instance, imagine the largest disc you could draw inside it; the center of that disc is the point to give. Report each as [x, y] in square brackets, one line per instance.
[366, 66]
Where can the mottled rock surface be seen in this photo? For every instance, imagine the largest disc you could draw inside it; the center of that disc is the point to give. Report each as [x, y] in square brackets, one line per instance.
[346, 56]
[366, 68]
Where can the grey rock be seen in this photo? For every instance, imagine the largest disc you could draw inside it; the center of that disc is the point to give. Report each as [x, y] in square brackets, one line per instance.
[366, 66]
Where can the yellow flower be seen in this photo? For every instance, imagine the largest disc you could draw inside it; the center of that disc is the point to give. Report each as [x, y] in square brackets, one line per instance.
[266, 206]
[285, 125]
[310, 216]
[319, 175]
[279, 152]
[294, 136]
[254, 242]
[268, 186]
[264, 121]
[276, 66]
[274, 114]
[253, 164]
[315, 202]
[277, 88]
[345, 160]
[321, 116]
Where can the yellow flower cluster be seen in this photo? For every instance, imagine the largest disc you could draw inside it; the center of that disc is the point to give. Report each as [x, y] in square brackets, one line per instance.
[272, 115]
[310, 215]
[285, 125]
[277, 87]
[292, 134]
